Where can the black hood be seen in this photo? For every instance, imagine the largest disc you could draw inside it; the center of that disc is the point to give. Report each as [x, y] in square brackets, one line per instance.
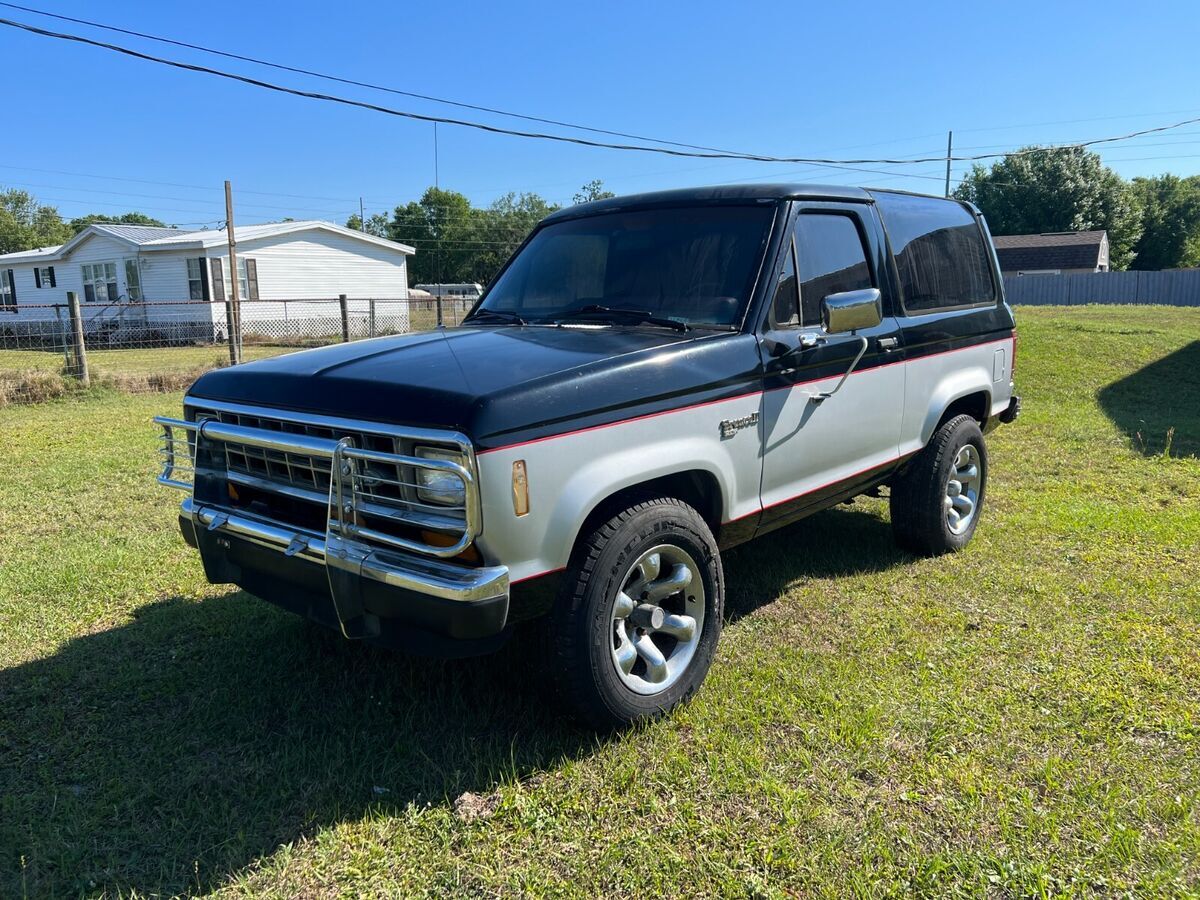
[489, 382]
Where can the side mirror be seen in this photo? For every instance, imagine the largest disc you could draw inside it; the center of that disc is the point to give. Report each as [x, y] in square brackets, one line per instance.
[851, 310]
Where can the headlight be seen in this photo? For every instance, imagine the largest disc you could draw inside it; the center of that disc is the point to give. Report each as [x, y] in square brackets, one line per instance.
[443, 488]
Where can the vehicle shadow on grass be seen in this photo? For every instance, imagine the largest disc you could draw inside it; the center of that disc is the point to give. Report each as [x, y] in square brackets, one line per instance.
[835, 543]
[1158, 398]
[164, 755]
[167, 754]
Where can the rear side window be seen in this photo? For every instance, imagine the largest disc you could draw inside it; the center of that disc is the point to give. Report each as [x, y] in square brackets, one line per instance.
[940, 252]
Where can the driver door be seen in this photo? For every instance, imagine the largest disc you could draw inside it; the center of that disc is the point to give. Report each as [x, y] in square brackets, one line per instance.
[816, 450]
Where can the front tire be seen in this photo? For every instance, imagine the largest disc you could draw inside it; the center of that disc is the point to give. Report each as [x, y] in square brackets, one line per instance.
[937, 500]
[637, 624]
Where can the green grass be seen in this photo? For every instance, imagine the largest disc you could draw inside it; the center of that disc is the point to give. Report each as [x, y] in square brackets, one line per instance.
[1018, 720]
[142, 361]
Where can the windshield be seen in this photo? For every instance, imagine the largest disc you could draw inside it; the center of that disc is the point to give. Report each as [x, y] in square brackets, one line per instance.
[694, 265]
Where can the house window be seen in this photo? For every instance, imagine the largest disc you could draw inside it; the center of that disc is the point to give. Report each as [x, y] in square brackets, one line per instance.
[243, 287]
[195, 272]
[8, 291]
[100, 283]
[133, 280]
[43, 277]
[247, 270]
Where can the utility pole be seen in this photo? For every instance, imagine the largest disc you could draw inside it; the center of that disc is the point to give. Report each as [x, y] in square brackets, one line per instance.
[441, 226]
[362, 221]
[949, 154]
[235, 307]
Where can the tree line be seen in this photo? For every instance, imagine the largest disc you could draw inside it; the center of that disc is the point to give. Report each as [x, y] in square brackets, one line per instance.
[458, 243]
[1152, 223]
[26, 224]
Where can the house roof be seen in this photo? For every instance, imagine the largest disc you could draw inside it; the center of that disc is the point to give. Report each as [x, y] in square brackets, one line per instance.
[137, 234]
[1054, 250]
[30, 255]
[149, 239]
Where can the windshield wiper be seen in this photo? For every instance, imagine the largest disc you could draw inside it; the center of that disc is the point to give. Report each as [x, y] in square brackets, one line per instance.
[633, 316]
[502, 314]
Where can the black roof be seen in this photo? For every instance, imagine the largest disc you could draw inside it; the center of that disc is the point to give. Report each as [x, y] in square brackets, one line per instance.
[725, 193]
[736, 193]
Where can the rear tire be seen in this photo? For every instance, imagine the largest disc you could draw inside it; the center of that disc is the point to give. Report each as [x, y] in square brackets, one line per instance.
[937, 500]
[635, 628]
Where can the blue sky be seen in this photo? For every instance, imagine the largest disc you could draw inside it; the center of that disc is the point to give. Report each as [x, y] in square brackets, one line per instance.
[788, 78]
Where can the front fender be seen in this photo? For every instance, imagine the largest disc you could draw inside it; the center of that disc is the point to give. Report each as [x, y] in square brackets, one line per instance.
[569, 476]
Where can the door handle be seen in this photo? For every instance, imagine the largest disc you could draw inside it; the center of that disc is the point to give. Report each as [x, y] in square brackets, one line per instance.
[888, 343]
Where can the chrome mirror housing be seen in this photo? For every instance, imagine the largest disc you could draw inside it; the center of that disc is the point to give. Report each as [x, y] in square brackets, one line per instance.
[851, 310]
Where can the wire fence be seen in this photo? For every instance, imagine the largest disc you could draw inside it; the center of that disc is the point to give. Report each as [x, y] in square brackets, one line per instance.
[50, 350]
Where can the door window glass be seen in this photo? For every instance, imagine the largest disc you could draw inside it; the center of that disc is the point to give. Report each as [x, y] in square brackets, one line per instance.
[133, 280]
[832, 259]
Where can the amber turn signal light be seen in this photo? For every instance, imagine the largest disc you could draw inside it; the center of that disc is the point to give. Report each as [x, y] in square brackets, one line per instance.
[520, 488]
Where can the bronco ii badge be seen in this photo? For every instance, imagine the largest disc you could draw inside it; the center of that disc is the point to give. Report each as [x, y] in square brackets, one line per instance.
[730, 427]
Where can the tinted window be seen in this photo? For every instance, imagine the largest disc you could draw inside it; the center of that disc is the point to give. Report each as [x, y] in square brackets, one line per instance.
[832, 259]
[692, 264]
[940, 252]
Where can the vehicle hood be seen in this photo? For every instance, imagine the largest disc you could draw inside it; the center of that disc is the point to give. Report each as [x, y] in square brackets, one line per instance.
[485, 381]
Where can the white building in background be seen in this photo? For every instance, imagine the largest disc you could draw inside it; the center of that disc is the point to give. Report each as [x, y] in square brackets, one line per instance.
[133, 277]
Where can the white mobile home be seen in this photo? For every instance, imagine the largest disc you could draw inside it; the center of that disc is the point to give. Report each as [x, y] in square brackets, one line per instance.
[133, 278]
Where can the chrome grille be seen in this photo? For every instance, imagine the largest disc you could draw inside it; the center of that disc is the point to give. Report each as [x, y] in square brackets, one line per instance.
[294, 470]
[375, 495]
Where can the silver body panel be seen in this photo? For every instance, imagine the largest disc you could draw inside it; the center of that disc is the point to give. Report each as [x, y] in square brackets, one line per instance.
[880, 416]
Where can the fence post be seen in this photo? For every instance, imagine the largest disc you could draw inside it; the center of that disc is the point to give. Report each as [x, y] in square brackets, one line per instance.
[345, 319]
[371, 317]
[439, 308]
[81, 364]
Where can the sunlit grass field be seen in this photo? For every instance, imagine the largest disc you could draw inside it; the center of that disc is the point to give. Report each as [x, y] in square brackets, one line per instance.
[1022, 719]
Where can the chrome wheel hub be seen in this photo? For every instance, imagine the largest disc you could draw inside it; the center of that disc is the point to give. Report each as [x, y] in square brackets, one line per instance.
[657, 618]
[962, 490]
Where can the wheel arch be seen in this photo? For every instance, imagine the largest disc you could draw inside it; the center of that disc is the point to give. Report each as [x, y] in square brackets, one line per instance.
[698, 488]
[967, 392]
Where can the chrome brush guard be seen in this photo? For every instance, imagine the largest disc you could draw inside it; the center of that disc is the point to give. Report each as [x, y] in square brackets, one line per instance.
[350, 547]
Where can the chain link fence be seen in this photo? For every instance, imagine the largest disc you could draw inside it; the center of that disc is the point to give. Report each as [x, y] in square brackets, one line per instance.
[50, 350]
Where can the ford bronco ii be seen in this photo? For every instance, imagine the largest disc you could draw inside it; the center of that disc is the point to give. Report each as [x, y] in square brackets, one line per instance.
[648, 381]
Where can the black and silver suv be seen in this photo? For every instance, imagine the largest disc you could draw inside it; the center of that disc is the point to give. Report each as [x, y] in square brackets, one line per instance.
[649, 381]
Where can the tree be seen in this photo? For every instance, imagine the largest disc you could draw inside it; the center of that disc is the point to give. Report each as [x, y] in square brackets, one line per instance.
[1062, 189]
[458, 243]
[129, 218]
[501, 228]
[439, 226]
[377, 224]
[26, 224]
[1170, 222]
[593, 190]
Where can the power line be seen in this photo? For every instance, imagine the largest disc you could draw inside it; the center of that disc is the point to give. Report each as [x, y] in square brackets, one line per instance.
[355, 83]
[584, 142]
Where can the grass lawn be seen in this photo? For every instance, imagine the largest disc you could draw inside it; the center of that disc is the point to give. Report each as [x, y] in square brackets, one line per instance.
[135, 361]
[1020, 719]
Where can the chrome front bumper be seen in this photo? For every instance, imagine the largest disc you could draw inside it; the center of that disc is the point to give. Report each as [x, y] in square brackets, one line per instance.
[360, 564]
